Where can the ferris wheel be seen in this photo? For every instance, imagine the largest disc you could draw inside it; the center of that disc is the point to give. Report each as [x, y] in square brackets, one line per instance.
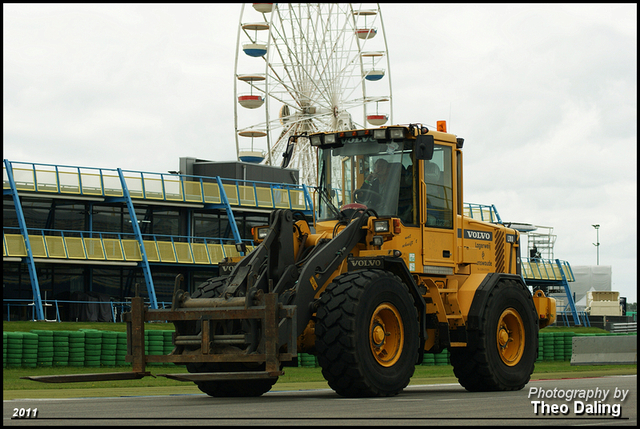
[304, 68]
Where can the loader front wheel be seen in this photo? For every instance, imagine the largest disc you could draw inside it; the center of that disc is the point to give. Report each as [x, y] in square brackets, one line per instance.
[367, 334]
[500, 355]
[232, 388]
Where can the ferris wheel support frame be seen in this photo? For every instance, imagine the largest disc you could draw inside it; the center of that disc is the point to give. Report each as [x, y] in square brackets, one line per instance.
[277, 88]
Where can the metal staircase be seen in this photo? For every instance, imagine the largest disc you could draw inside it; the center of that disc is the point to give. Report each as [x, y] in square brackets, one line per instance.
[546, 274]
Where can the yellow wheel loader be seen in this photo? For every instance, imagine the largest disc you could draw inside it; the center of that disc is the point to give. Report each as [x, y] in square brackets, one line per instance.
[388, 269]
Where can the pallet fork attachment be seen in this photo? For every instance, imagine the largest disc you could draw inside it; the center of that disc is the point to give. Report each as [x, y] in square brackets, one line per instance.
[269, 311]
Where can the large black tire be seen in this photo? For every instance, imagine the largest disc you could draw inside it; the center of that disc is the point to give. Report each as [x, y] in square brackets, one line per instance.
[367, 334]
[502, 353]
[213, 288]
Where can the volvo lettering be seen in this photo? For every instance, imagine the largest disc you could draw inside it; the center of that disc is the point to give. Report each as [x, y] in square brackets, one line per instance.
[478, 235]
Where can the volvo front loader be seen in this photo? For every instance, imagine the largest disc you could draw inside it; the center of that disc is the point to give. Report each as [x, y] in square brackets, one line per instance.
[389, 269]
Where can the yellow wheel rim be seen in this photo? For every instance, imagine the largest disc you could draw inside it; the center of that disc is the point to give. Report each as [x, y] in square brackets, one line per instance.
[510, 337]
[386, 335]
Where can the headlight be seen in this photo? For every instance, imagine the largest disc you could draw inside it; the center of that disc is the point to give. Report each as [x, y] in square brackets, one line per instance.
[330, 139]
[380, 134]
[260, 233]
[396, 133]
[316, 139]
[381, 226]
[323, 139]
[377, 240]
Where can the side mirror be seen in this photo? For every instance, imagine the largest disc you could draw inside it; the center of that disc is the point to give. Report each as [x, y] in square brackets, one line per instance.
[424, 147]
[288, 154]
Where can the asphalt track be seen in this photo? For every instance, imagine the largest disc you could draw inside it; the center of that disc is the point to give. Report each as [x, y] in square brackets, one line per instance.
[436, 404]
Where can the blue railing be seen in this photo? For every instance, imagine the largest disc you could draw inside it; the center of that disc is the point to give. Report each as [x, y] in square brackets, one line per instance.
[483, 212]
[545, 269]
[106, 183]
[119, 246]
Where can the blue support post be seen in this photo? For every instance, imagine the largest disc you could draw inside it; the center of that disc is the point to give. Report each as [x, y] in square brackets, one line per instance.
[227, 207]
[136, 230]
[33, 275]
[493, 207]
[567, 290]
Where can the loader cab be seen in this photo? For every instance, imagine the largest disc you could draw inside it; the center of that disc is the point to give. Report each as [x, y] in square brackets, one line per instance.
[369, 169]
[380, 180]
[408, 172]
[390, 170]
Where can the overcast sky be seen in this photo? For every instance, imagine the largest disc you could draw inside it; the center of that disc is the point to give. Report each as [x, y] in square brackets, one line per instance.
[545, 97]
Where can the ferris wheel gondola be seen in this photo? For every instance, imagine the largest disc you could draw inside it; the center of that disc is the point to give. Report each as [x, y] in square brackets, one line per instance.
[303, 68]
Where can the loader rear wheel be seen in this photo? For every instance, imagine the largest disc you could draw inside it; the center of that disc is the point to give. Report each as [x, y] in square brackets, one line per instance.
[501, 354]
[367, 334]
[213, 288]
[510, 337]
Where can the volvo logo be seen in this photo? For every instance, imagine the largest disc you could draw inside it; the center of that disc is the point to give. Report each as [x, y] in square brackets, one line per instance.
[478, 235]
[365, 263]
[225, 270]
[351, 140]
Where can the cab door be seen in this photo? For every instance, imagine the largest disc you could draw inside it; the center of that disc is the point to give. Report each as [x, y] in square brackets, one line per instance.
[438, 211]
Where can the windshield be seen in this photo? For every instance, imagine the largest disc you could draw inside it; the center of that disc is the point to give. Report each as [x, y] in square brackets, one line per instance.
[367, 173]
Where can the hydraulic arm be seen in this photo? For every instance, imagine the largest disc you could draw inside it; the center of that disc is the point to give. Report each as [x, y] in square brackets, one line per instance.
[257, 314]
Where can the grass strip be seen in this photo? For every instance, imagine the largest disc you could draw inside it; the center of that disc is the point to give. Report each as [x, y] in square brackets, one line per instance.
[295, 378]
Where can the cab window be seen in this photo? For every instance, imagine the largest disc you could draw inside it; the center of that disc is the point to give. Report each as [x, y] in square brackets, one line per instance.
[438, 180]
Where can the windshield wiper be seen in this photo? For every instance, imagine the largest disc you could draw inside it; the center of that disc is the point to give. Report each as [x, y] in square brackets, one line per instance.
[324, 194]
[327, 199]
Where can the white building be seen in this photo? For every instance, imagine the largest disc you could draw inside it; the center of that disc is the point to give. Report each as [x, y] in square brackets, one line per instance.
[587, 278]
